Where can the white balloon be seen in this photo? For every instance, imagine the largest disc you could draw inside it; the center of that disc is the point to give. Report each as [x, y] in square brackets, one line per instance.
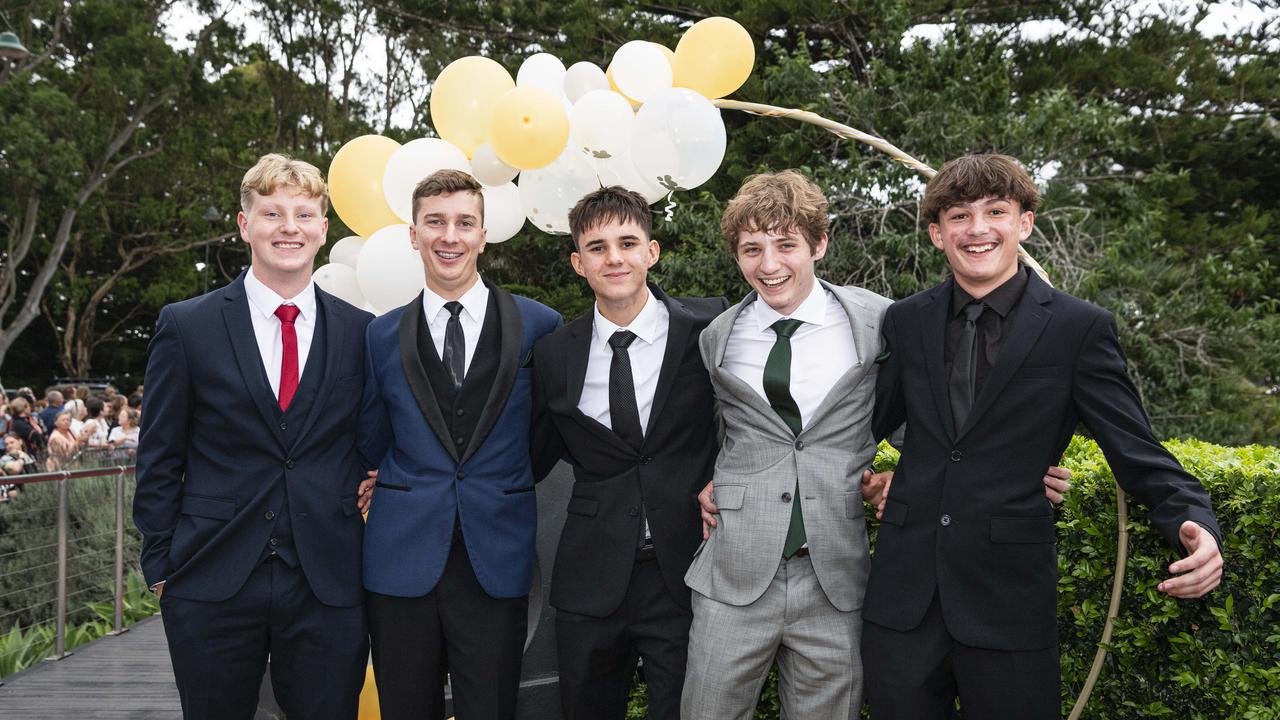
[620, 170]
[489, 169]
[582, 78]
[547, 194]
[345, 251]
[600, 124]
[678, 140]
[503, 213]
[340, 280]
[389, 269]
[410, 164]
[542, 70]
[641, 70]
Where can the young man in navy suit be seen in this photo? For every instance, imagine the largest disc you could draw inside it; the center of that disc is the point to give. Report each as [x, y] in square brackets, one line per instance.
[247, 471]
[623, 394]
[992, 372]
[449, 545]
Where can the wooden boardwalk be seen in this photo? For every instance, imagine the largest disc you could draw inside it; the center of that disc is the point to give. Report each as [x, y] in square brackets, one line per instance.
[124, 676]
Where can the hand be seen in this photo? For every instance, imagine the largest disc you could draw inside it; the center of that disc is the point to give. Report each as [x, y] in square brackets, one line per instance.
[1202, 567]
[158, 589]
[709, 509]
[884, 495]
[364, 495]
[1057, 481]
[874, 485]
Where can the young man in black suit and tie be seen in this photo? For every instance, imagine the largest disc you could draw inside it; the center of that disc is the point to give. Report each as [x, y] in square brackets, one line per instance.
[992, 372]
[622, 394]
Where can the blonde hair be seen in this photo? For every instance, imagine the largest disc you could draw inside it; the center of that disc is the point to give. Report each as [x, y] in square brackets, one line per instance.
[274, 171]
[776, 202]
[447, 182]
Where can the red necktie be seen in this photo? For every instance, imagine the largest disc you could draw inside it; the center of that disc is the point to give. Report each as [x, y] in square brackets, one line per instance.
[288, 363]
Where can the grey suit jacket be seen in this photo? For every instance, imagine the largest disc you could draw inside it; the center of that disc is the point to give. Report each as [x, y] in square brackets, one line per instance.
[760, 461]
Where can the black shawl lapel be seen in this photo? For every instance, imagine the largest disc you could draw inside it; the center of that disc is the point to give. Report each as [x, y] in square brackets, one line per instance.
[1028, 323]
[677, 337]
[416, 374]
[245, 344]
[933, 336]
[512, 328]
[335, 342]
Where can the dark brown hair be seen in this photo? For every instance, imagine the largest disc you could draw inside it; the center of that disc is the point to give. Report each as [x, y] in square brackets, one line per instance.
[609, 204]
[447, 182]
[776, 202]
[975, 176]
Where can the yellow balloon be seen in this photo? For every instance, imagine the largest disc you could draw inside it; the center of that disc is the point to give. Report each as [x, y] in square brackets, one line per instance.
[529, 128]
[608, 75]
[714, 57]
[355, 184]
[463, 97]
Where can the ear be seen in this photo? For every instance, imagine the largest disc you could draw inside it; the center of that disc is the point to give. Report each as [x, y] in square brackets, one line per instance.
[413, 236]
[820, 250]
[1025, 223]
[484, 235]
[242, 221]
[654, 252]
[935, 234]
[576, 261]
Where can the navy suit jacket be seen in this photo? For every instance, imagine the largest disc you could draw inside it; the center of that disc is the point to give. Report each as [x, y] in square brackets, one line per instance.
[424, 481]
[215, 450]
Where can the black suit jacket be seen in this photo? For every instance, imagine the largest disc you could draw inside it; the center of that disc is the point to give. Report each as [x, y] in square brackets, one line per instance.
[216, 452]
[611, 479]
[967, 516]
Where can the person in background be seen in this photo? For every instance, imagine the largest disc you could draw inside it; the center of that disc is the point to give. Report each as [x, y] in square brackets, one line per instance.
[76, 408]
[15, 461]
[118, 403]
[62, 442]
[26, 426]
[96, 430]
[125, 434]
[53, 405]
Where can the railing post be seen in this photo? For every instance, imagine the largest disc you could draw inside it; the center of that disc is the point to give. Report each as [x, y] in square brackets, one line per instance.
[60, 638]
[119, 618]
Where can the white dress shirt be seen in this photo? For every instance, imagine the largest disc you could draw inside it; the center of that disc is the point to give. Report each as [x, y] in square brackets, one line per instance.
[263, 302]
[475, 302]
[646, 353]
[822, 349]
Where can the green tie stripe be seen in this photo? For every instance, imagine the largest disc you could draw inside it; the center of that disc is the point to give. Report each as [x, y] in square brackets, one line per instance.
[777, 388]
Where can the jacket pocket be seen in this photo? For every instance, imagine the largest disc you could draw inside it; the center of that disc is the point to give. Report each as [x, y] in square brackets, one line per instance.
[583, 506]
[517, 491]
[895, 512]
[1039, 529]
[216, 508]
[391, 486]
[729, 497]
[853, 507]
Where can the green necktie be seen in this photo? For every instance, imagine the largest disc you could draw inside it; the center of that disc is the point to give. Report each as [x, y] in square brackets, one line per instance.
[777, 388]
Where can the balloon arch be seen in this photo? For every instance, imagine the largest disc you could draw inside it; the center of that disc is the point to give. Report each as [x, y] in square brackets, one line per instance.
[537, 143]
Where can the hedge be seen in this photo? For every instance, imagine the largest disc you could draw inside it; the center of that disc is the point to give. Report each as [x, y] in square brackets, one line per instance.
[1215, 658]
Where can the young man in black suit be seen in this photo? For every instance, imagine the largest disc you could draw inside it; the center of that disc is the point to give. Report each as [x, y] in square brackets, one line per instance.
[992, 372]
[622, 394]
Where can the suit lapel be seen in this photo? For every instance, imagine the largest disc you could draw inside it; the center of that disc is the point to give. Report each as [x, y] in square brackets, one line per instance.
[335, 341]
[933, 338]
[235, 312]
[864, 324]
[1029, 321]
[678, 326]
[512, 329]
[581, 332]
[416, 375]
[720, 330]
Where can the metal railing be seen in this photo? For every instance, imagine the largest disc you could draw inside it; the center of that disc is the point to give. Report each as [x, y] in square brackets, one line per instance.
[12, 563]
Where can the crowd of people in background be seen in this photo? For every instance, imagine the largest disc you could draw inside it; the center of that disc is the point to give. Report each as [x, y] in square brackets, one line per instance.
[71, 426]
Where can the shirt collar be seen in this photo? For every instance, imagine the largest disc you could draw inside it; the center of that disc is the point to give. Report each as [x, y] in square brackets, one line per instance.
[645, 325]
[812, 310]
[264, 300]
[474, 301]
[1002, 299]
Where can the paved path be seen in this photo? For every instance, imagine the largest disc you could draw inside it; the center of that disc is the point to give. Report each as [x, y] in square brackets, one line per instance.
[124, 676]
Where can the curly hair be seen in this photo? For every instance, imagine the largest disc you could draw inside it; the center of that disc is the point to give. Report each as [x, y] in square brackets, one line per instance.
[776, 202]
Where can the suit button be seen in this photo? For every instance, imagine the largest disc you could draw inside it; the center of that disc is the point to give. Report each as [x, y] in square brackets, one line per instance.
[646, 460]
[946, 520]
[460, 441]
[289, 463]
[274, 542]
[634, 512]
[270, 515]
[284, 425]
[955, 456]
[786, 497]
[460, 413]
[461, 475]
[799, 444]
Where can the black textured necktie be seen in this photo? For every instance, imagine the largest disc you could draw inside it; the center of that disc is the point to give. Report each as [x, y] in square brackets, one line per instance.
[455, 345]
[624, 414]
[964, 366]
[777, 388]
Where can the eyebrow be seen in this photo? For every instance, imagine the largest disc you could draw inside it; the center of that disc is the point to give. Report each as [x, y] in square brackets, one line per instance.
[463, 216]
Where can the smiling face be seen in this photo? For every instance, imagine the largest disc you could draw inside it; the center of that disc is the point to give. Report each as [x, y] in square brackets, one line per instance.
[615, 258]
[12, 445]
[779, 266]
[447, 232]
[981, 239]
[285, 230]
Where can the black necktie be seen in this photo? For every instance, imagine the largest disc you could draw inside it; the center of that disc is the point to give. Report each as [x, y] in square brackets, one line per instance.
[964, 366]
[455, 345]
[777, 388]
[624, 414]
